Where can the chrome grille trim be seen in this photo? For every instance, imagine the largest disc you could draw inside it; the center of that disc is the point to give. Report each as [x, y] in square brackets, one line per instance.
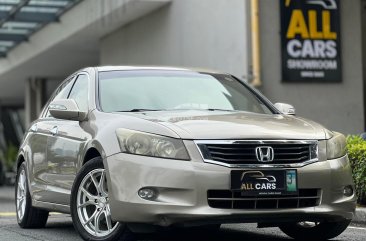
[259, 142]
[231, 199]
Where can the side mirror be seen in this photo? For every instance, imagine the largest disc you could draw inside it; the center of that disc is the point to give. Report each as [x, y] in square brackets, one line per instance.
[66, 109]
[285, 109]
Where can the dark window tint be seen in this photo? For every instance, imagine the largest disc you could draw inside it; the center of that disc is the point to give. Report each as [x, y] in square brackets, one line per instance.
[79, 92]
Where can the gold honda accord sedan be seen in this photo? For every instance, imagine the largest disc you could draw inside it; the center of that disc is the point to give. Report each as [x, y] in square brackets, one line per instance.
[128, 149]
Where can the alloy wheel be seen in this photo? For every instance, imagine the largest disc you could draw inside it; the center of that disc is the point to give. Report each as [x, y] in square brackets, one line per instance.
[93, 204]
[21, 194]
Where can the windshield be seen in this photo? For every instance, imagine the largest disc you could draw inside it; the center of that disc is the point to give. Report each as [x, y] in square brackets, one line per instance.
[175, 90]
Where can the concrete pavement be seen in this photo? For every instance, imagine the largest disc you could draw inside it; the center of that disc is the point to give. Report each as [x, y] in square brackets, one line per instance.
[7, 196]
[360, 216]
[61, 229]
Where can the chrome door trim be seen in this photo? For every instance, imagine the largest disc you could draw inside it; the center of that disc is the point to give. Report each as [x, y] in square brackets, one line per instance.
[54, 131]
[34, 128]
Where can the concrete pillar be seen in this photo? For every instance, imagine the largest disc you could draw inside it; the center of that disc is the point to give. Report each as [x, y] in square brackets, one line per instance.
[34, 99]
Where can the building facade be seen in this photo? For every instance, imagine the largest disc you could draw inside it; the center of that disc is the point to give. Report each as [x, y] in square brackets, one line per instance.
[214, 34]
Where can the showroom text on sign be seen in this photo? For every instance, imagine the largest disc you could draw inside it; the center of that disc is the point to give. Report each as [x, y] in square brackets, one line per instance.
[310, 41]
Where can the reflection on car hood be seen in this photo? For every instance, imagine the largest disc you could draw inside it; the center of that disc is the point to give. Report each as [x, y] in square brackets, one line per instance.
[194, 124]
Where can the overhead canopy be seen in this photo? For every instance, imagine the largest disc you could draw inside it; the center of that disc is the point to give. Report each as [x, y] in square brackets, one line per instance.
[21, 18]
[64, 46]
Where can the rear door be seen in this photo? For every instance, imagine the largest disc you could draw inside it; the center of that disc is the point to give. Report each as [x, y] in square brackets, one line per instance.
[65, 145]
[37, 142]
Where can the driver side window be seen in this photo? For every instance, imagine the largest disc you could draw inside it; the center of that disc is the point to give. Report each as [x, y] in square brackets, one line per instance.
[62, 92]
[80, 92]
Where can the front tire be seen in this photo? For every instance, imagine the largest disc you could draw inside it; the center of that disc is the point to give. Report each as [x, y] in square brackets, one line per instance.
[90, 209]
[315, 231]
[27, 216]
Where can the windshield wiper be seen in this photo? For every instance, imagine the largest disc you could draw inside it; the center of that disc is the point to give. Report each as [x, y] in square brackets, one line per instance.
[213, 109]
[208, 109]
[138, 110]
[143, 110]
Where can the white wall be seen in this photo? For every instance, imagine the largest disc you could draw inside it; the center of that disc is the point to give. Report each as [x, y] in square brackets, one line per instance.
[214, 34]
[338, 106]
[191, 33]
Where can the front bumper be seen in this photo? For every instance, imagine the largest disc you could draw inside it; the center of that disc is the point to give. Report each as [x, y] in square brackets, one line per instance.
[183, 186]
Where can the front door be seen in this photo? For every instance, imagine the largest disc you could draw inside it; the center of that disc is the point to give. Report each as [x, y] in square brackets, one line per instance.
[65, 146]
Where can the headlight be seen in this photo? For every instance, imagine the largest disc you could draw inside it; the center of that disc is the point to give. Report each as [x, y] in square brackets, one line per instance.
[336, 146]
[140, 143]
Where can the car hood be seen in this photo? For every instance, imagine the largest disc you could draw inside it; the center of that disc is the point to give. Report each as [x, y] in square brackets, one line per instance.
[234, 125]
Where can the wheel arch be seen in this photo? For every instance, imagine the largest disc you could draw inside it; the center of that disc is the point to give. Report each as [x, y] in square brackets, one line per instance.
[92, 150]
[20, 159]
[90, 154]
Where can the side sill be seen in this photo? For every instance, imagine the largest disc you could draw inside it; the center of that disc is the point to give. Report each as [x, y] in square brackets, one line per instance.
[54, 207]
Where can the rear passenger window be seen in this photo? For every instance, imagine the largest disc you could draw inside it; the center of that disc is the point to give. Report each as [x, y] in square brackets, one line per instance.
[79, 92]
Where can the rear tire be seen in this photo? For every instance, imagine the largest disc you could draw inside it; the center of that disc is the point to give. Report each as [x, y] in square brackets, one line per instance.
[90, 206]
[27, 216]
[321, 231]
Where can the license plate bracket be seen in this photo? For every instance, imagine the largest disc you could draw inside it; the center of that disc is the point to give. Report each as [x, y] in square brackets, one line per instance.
[264, 182]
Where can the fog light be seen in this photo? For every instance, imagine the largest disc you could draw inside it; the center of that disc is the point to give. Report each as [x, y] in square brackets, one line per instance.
[147, 193]
[348, 191]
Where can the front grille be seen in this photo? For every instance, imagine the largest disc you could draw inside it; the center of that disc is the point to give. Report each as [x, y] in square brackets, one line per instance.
[230, 199]
[240, 152]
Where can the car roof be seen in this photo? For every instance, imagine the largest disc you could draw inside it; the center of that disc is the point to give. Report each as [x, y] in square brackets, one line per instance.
[163, 68]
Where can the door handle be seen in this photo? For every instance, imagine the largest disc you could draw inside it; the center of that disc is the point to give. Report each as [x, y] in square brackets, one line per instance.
[34, 128]
[54, 131]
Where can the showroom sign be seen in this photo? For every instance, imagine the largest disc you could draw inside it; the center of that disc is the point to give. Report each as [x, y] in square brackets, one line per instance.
[311, 48]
